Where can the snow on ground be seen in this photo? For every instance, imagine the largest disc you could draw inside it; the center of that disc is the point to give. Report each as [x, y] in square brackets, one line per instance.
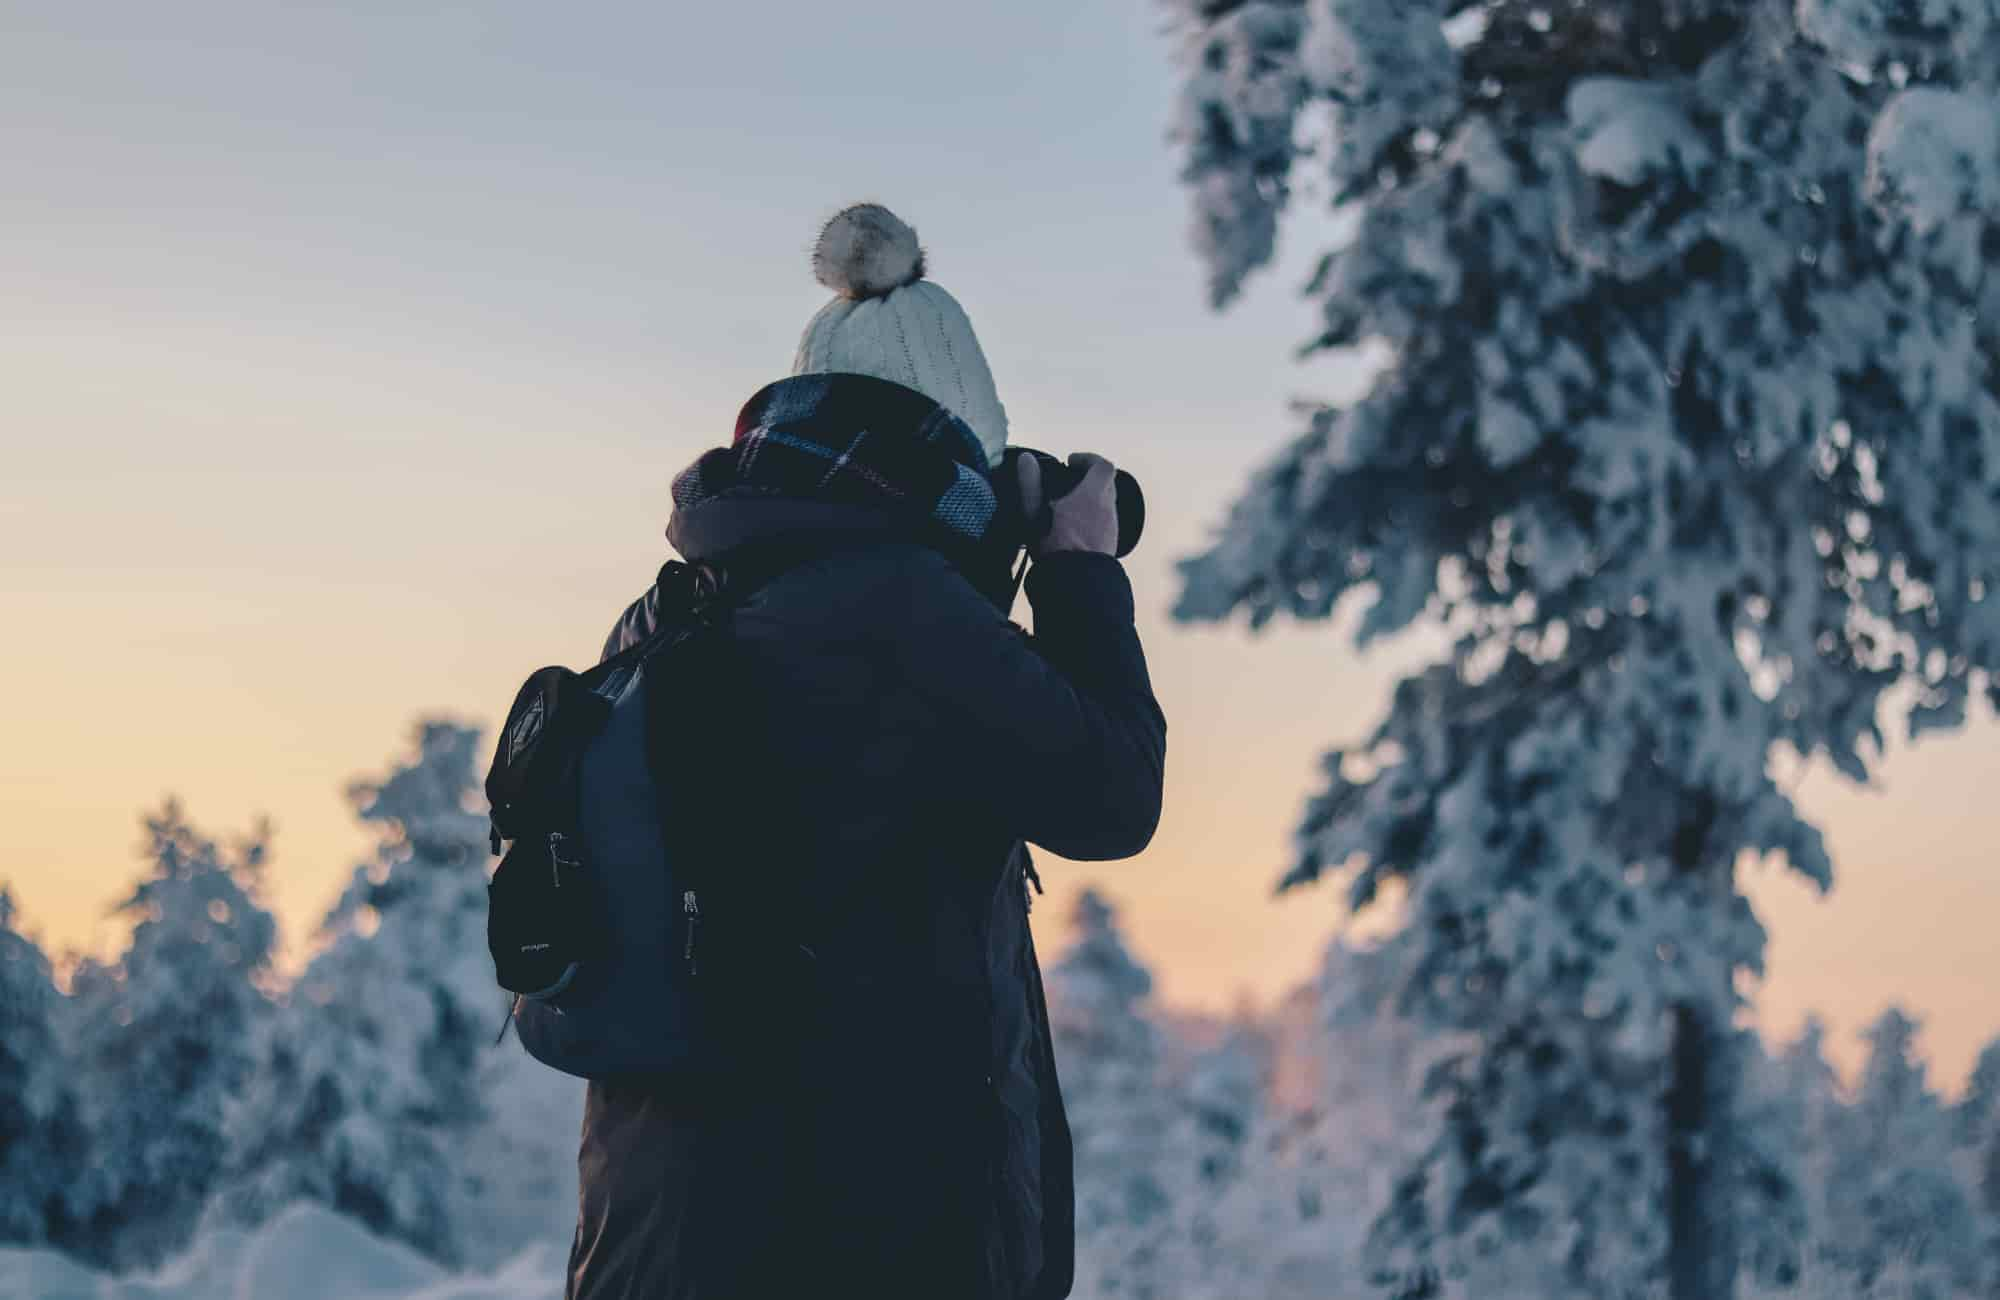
[305, 1253]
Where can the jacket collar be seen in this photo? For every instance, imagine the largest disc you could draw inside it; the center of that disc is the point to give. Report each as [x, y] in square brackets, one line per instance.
[710, 529]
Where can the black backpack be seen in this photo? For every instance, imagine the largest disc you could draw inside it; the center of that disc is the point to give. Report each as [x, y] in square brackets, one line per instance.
[594, 912]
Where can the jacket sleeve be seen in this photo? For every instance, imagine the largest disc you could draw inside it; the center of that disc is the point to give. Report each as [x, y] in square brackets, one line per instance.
[1063, 725]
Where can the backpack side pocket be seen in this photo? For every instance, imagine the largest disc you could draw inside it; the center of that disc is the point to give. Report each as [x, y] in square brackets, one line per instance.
[544, 920]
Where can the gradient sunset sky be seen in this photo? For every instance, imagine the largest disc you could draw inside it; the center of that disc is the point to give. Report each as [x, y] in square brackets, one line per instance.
[346, 354]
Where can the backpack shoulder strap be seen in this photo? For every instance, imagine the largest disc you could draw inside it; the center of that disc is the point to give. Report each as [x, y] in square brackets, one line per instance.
[683, 592]
[674, 596]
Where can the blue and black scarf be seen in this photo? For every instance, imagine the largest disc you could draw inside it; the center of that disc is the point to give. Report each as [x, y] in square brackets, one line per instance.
[852, 440]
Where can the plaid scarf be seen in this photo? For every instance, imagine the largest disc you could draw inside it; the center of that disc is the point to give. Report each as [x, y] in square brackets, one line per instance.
[853, 440]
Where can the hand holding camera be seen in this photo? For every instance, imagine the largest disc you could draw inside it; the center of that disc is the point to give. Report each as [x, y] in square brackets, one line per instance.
[1085, 505]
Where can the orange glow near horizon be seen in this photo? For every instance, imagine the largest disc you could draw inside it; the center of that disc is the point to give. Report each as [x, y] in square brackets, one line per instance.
[348, 353]
[253, 701]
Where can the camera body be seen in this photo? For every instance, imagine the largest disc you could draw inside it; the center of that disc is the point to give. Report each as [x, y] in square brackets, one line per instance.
[1059, 478]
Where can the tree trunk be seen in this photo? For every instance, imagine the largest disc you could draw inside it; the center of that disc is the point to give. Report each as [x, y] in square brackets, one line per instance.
[1701, 1237]
[1701, 1221]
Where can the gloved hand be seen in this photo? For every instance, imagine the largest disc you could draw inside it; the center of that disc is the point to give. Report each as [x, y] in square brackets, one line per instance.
[1083, 519]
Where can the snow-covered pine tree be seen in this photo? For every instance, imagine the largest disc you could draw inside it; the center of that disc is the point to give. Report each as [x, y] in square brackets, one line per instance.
[1789, 1108]
[167, 1039]
[381, 1093]
[42, 1144]
[1211, 1243]
[1687, 436]
[1108, 1052]
[1223, 1099]
[1333, 1132]
[1977, 1114]
[1977, 1120]
[1896, 1210]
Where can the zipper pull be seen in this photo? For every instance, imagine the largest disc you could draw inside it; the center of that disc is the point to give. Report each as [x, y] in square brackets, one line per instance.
[556, 859]
[692, 907]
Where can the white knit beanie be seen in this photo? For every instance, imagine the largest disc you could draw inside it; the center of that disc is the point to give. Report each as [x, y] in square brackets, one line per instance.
[890, 322]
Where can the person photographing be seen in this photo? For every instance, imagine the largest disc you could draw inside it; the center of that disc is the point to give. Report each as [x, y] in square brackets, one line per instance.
[849, 782]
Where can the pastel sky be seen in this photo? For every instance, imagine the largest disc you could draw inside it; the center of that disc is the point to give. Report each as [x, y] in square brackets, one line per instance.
[347, 351]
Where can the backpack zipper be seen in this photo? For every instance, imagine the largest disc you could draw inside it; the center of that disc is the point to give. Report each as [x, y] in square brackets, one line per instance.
[692, 907]
[556, 859]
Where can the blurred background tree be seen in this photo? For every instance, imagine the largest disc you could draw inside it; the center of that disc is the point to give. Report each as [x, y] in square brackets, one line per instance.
[385, 1094]
[1108, 1049]
[1687, 437]
[42, 1138]
[167, 1040]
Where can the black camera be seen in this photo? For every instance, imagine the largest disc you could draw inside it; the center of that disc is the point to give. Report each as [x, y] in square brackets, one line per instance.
[1059, 478]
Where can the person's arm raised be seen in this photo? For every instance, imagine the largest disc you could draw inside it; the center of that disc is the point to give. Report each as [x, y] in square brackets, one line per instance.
[1063, 724]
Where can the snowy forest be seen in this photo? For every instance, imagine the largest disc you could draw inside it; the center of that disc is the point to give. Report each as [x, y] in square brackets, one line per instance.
[180, 1121]
[1682, 442]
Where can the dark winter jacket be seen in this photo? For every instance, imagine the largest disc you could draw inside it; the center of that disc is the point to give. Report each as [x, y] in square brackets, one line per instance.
[892, 740]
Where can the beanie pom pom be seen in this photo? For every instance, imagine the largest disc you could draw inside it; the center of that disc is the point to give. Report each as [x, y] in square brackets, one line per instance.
[867, 251]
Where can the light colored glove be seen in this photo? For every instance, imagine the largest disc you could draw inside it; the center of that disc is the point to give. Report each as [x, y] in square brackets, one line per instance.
[1086, 518]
